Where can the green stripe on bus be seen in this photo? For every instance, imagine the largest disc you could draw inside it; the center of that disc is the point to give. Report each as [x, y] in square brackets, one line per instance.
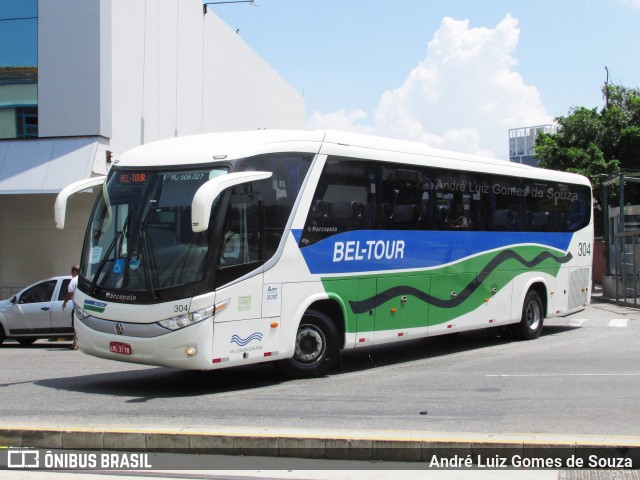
[432, 297]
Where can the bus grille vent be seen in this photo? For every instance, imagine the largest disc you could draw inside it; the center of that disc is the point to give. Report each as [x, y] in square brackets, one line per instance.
[578, 287]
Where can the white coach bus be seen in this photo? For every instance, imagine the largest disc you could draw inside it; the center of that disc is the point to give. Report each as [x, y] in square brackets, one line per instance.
[218, 250]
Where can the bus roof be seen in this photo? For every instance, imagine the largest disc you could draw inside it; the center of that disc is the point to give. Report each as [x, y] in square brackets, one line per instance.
[208, 147]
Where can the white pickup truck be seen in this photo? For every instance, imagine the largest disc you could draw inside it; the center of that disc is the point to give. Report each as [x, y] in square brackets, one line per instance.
[36, 312]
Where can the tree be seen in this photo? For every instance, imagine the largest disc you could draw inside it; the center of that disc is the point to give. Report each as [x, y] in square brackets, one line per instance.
[596, 143]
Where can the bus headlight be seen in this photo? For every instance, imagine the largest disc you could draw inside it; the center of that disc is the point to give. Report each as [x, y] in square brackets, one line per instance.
[181, 321]
[202, 314]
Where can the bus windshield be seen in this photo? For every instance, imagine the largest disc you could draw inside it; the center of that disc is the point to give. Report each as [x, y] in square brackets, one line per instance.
[140, 238]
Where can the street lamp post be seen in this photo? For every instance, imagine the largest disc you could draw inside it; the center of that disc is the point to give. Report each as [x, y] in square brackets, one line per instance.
[204, 5]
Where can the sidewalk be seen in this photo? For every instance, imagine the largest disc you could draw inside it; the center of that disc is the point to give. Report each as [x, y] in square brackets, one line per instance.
[285, 454]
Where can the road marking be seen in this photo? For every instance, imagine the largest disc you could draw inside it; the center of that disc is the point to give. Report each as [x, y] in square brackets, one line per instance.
[576, 322]
[567, 375]
[618, 322]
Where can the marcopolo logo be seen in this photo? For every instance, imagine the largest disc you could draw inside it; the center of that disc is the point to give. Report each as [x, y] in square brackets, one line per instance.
[355, 250]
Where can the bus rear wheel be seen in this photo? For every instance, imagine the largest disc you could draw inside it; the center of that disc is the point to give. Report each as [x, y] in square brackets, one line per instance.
[532, 319]
[316, 347]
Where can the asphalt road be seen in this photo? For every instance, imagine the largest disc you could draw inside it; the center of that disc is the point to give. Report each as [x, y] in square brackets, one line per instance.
[581, 377]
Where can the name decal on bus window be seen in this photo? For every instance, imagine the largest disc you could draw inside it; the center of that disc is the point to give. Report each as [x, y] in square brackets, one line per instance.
[499, 189]
[367, 250]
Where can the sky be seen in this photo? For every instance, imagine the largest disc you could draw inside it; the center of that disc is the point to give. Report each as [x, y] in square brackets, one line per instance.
[455, 74]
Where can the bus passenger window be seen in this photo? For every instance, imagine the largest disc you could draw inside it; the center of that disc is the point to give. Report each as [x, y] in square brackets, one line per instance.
[503, 200]
[578, 213]
[556, 207]
[401, 197]
[345, 200]
[455, 200]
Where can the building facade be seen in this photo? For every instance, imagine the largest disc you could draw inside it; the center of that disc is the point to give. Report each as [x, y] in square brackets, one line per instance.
[522, 143]
[110, 75]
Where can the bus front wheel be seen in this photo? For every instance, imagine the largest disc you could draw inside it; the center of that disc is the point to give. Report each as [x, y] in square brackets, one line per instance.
[532, 319]
[316, 347]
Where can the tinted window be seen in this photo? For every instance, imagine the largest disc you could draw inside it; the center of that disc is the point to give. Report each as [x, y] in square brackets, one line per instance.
[257, 214]
[458, 196]
[405, 195]
[559, 207]
[503, 203]
[345, 199]
[42, 292]
[360, 194]
[64, 289]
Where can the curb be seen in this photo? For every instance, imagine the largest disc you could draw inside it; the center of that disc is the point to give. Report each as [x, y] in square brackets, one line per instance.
[368, 446]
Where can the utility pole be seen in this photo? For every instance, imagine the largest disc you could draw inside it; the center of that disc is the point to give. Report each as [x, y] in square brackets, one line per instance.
[606, 89]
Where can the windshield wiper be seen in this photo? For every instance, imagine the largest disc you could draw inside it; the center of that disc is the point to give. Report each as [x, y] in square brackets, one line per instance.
[148, 262]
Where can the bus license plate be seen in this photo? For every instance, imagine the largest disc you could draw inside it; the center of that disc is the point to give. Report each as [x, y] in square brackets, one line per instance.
[119, 347]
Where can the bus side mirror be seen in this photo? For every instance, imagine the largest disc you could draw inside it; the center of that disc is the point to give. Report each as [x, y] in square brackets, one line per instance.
[60, 207]
[207, 193]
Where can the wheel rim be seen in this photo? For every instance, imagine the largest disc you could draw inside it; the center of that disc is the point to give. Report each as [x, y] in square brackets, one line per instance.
[310, 345]
[534, 315]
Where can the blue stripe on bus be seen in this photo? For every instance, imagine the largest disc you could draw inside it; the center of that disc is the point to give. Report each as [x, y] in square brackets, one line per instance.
[382, 250]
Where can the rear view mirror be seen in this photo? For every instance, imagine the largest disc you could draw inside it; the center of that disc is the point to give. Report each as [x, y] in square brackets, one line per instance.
[207, 193]
[60, 207]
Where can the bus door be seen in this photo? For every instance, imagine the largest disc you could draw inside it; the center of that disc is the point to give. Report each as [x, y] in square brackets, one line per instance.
[240, 330]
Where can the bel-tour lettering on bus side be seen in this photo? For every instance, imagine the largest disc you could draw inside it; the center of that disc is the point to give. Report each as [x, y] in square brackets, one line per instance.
[367, 250]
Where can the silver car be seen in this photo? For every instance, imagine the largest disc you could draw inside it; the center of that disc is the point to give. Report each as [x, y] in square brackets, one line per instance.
[36, 312]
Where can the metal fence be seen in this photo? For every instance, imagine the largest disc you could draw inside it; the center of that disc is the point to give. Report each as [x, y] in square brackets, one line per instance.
[622, 281]
[622, 243]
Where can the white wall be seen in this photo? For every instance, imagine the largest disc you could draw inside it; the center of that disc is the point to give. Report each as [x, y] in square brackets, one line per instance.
[177, 71]
[31, 248]
[240, 90]
[137, 71]
[74, 71]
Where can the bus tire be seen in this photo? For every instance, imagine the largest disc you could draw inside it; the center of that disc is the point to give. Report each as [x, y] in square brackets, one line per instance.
[532, 319]
[316, 347]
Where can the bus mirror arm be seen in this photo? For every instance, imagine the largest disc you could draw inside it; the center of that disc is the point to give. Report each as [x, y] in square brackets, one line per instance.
[207, 193]
[60, 207]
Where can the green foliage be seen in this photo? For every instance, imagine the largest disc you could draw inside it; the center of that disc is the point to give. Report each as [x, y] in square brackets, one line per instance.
[596, 143]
